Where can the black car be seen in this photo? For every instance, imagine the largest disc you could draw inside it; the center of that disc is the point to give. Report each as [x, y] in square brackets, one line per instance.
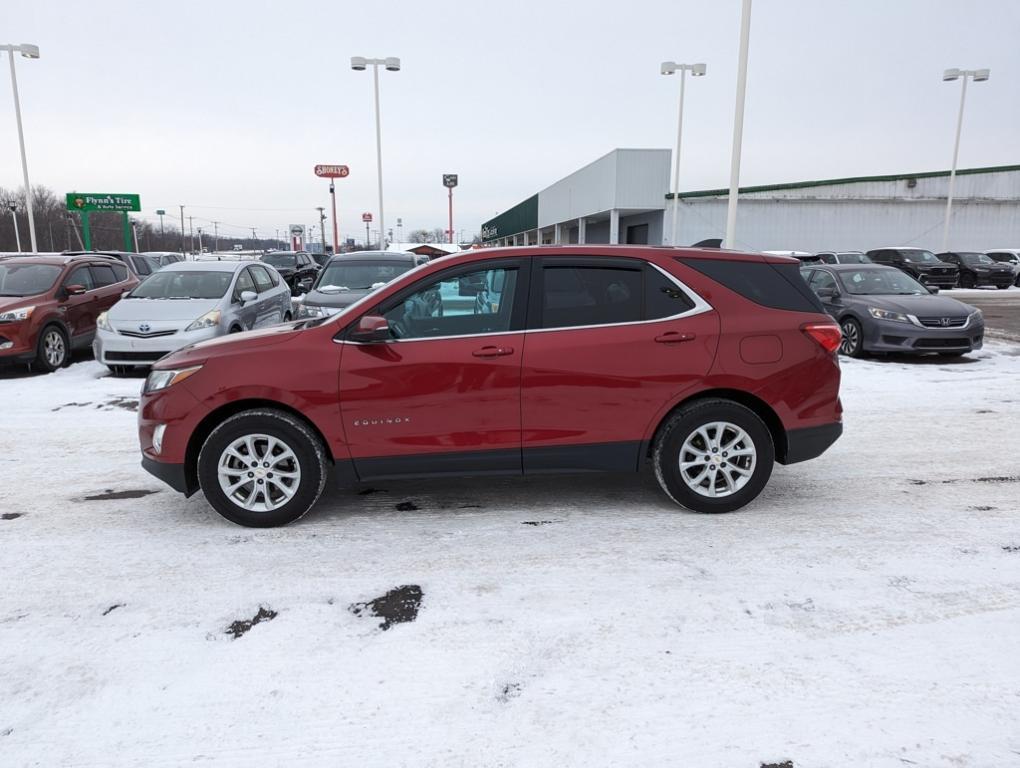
[297, 268]
[1010, 256]
[880, 309]
[920, 264]
[349, 277]
[978, 269]
[141, 266]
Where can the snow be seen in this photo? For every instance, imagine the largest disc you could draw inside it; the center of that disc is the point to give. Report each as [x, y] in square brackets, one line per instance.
[864, 611]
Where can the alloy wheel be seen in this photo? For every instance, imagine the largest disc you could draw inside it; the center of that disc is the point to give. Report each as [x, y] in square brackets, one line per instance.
[851, 338]
[717, 459]
[259, 473]
[54, 348]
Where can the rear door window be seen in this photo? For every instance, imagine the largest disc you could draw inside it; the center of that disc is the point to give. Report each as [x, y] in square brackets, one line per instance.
[103, 275]
[141, 265]
[120, 272]
[663, 297]
[582, 295]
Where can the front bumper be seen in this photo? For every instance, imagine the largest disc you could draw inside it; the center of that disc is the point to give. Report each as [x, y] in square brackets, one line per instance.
[113, 348]
[907, 338]
[17, 342]
[171, 474]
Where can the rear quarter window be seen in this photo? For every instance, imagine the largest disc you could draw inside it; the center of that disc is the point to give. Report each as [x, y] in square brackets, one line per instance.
[778, 286]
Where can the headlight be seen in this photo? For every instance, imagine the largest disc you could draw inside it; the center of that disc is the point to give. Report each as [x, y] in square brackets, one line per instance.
[158, 380]
[209, 320]
[977, 314]
[102, 323]
[312, 310]
[16, 315]
[884, 314]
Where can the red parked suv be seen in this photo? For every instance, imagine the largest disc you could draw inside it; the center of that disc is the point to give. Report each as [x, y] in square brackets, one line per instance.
[710, 365]
[49, 305]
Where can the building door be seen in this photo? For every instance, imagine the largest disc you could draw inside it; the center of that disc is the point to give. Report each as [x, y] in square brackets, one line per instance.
[637, 234]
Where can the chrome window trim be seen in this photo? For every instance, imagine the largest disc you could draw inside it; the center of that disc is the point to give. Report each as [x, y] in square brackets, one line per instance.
[700, 307]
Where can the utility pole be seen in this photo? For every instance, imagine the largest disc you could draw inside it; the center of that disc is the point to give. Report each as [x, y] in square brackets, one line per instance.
[322, 227]
[14, 218]
[216, 235]
[191, 233]
[134, 232]
[200, 240]
[183, 244]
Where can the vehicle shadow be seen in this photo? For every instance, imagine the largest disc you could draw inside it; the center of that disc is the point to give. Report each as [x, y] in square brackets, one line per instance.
[22, 371]
[923, 359]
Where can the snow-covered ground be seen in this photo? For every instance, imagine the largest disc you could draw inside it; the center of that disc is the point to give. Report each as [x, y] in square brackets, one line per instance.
[865, 611]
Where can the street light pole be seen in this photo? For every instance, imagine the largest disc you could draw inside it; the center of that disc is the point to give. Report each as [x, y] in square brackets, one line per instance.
[14, 218]
[696, 70]
[392, 64]
[738, 127]
[979, 76]
[322, 227]
[216, 236]
[184, 249]
[29, 51]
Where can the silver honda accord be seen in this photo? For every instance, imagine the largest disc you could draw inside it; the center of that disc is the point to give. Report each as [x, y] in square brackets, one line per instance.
[187, 302]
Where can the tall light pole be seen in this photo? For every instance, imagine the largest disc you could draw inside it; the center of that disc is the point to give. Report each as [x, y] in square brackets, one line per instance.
[184, 248]
[29, 51]
[696, 70]
[392, 64]
[979, 76]
[14, 218]
[738, 127]
[216, 236]
[322, 227]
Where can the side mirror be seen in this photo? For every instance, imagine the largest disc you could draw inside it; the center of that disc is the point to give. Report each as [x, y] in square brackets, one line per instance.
[248, 296]
[74, 290]
[470, 285]
[371, 328]
[827, 293]
[932, 288]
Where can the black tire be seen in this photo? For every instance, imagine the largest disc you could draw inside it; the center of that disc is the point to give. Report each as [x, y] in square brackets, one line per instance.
[310, 458]
[287, 317]
[684, 424]
[53, 336]
[967, 280]
[235, 329]
[1002, 287]
[852, 344]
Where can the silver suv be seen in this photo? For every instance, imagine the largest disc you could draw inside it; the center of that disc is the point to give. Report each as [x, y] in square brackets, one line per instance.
[187, 302]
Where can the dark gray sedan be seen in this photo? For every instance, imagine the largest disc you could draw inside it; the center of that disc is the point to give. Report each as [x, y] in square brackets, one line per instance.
[351, 276]
[881, 309]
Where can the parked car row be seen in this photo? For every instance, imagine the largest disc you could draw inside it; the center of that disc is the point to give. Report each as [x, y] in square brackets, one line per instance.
[951, 269]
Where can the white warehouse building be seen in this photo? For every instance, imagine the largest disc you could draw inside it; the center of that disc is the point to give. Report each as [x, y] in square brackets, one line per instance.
[623, 197]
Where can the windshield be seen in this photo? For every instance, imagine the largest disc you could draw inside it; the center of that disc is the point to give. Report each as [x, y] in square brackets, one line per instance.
[920, 257]
[881, 282]
[183, 285]
[853, 258]
[27, 279]
[340, 276]
[280, 259]
[975, 258]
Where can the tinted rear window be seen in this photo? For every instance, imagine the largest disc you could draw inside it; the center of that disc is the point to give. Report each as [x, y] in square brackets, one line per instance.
[779, 286]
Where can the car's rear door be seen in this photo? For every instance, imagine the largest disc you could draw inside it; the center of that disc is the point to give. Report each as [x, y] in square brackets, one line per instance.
[268, 305]
[610, 344]
[443, 395]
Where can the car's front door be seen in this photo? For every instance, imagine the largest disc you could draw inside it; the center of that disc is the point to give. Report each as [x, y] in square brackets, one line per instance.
[442, 395]
[80, 311]
[248, 313]
[611, 343]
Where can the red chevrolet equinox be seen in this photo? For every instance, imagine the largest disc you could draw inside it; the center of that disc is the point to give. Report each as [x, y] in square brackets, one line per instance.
[708, 365]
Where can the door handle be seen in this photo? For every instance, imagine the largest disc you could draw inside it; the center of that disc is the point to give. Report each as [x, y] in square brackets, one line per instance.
[493, 352]
[674, 337]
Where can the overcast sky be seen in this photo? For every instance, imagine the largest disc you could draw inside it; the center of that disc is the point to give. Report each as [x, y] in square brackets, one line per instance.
[226, 106]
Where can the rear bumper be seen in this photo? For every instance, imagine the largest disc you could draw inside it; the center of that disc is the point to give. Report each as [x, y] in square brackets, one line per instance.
[171, 474]
[810, 442]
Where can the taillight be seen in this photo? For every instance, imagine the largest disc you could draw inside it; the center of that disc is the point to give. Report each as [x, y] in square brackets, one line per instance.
[828, 335]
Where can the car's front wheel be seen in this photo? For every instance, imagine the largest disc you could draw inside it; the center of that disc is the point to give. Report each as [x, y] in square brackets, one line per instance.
[853, 338]
[262, 468]
[713, 456]
[51, 351]
[967, 280]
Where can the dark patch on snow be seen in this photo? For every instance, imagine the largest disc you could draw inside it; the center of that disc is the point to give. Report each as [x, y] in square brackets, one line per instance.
[982, 508]
[112, 608]
[1011, 548]
[983, 410]
[369, 491]
[11, 515]
[470, 506]
[511, 691]
[918, 482]
[999, 479]
[72, 405]
[6, 732]
[407, 506]
[127, 403]
[242, 626]
[397, 606]
[540, 522]
[784, 764]
[110, 494]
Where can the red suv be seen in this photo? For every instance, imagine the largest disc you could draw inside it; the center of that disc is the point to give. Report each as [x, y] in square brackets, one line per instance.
[707, 364]
[49, 305]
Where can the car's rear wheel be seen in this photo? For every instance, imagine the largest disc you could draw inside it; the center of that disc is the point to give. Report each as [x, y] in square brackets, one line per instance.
[1002, 287]
[713, 456]
[262, 468]
[51, 351]
[853, 338]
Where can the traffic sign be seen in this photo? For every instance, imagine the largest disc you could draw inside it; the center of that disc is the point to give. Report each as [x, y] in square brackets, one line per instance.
[332, 171]
[102, 201]
[450, 180]
[366, 217]
[160, 212]
[297, 230]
